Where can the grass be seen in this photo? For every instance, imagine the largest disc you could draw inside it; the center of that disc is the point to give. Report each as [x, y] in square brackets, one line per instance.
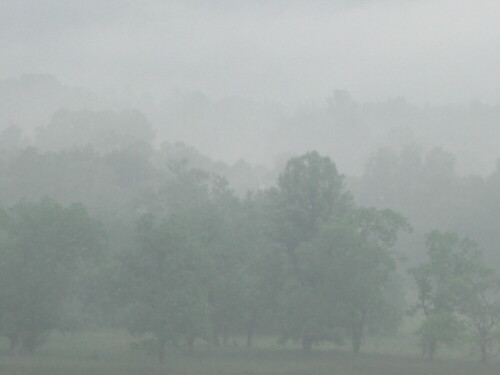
[111, 353]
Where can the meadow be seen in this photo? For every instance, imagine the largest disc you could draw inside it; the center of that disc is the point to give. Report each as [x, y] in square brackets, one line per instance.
[113, 353]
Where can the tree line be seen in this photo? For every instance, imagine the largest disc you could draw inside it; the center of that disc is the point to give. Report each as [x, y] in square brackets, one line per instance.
[186, 259]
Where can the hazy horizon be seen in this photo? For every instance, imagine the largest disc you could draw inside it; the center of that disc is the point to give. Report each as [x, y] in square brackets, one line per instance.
[293, 53]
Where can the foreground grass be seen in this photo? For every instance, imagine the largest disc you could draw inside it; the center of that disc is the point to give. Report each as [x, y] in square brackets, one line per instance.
[110, 353]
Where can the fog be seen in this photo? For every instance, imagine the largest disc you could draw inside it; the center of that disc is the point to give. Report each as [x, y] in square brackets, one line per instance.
[221, 183]
[285, 51]
[276, 58]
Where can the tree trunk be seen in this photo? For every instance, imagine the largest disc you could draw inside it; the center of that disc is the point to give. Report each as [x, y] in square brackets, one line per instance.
[28, 345]
[484, 352]
[357, 331]
[431, 350]
[161, 350]
[14, 344]
[356, 340]
[251, 328]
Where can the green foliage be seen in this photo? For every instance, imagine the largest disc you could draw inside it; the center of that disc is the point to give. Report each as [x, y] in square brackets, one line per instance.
[338, 257]
[310, 191]
[426, 187]
[438, 329]
[300, 260]
[449, 284]
[42, 246]
[480, 305]
[164, 280]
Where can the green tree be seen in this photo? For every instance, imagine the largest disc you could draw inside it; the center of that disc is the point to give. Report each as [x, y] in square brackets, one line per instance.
[221, 235]
[367, 268]
[338, 259]
[347, 269]
[310, 193]
[164, 284]
[452, 261]
[214, 217]
[263, 267]
[480, 305]
[42, 246]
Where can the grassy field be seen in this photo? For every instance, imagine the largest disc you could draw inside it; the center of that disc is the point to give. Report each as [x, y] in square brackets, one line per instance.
[111, 353]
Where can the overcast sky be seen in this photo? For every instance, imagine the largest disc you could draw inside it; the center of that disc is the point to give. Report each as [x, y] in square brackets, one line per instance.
[289, 51]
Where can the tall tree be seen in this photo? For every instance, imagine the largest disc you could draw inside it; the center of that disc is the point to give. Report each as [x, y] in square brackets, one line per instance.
[346, 268]
[479, 304]
[310, 192]
[452, 261]
[42, 245]
[164, 283]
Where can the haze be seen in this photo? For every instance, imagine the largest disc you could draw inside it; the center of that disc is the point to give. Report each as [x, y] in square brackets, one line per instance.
[222, 187]
[270, 59]
[286, 51]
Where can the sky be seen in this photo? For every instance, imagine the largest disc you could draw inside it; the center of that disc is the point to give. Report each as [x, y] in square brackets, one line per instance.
[292, 52]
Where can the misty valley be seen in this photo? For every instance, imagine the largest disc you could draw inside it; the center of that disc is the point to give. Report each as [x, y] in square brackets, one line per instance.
[279, 187]
[118, 253]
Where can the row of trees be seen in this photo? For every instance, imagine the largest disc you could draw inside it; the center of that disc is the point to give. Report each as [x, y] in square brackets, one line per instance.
[301, 257]
[301, 260]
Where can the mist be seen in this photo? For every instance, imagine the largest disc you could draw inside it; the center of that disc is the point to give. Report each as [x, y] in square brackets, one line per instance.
[284, 56]
[229, 187]
[290, 52]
